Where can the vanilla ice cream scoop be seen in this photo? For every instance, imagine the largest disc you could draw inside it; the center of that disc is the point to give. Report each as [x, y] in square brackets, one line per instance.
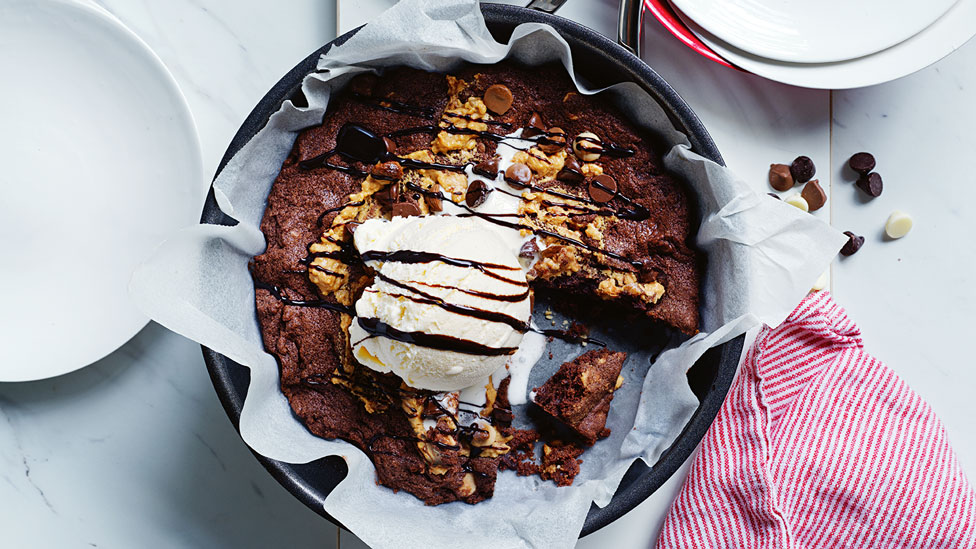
[449, 304]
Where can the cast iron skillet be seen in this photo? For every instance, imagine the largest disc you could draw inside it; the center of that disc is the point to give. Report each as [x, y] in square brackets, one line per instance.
[603, 62]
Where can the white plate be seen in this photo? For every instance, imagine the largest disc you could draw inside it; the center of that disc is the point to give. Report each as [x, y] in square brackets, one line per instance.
[100, 161]
[813, 31]
[944, 36]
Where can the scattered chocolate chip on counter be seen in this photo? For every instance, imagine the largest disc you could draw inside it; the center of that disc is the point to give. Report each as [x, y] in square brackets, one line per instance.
[498, 98]
[774, 195]
[898, 224]
[602, 189]
[477, 193]
[798, 201]
[780, 177]
[871, 184]
[814, 194]
[854, 243]
[802, 169]
[822, 281]
[862, 163]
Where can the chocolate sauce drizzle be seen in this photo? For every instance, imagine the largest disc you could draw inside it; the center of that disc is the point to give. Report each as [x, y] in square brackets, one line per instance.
[410, 256]
[313, 303]
[376, 327]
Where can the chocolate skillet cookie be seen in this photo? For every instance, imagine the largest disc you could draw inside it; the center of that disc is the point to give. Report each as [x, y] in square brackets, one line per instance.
[610, 228]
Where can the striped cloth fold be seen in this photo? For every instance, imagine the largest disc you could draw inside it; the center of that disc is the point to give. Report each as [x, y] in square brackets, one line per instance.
[819, 444]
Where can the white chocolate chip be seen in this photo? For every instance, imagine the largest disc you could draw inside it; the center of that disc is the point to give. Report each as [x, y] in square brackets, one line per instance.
[822, 281]
[898, 224]
[586, 146]
[798, 201]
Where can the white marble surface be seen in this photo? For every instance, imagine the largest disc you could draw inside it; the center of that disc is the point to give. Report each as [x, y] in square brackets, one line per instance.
[135, 451]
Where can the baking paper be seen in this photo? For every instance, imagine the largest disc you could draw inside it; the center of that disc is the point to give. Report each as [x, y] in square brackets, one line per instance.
[763, 256]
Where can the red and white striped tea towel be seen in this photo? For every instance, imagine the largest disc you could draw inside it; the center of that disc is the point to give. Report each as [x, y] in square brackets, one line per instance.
[821, 445]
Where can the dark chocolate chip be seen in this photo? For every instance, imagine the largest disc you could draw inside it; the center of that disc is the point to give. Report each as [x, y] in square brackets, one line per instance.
[862, 163]
[478, 192]
[534, 126]
[518, 175]
[802, 169]
[364, 84]
[487, 168]
[854, 244]
[814, 194]
[776, 196]
[780, 177]
[529, 249]
[602, 189]
[498, 98]
[405, 209]
[571, 172]
[871, 184]
[435, 203]
[554, 141]
[387, 171]
[390, 145]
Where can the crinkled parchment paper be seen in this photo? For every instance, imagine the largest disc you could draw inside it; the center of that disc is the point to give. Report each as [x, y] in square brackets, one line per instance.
[763, 256]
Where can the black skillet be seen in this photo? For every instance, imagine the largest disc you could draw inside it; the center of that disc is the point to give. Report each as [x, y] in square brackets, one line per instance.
[602, 62]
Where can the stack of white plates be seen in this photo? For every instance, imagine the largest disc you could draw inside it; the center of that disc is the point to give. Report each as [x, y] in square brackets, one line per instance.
[826, 43]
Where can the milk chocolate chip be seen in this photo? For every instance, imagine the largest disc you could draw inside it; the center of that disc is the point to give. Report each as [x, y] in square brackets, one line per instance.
[487, 168]
[529, 249]
[498, 98]
[571, 172]
[387, 195]
[854, 243]
[602, 188]
[871, 184]
[862, 163]
[390, 145]
[814, 194]
[802, 169]
[780, 177]
[535, 126]
[518, 175]
[478, 192]
[405, 209]
[554, 141]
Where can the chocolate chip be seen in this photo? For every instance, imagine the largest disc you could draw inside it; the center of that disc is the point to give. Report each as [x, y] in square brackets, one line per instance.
[862, 163]
[780, 177]
[554, 141]
[871, 184]
[518, 175]
[529, 249]
[602, 189]
[814, 194]
[387, 171]
[498, 98]
[571, 172]
[854, 244]
[478, 192]
[487, 168]
[390, 145]
[434, 201]
[364, 84]
[776, 196]
[405, 209]
[802, 169]
[534, 126]
[387, 195]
